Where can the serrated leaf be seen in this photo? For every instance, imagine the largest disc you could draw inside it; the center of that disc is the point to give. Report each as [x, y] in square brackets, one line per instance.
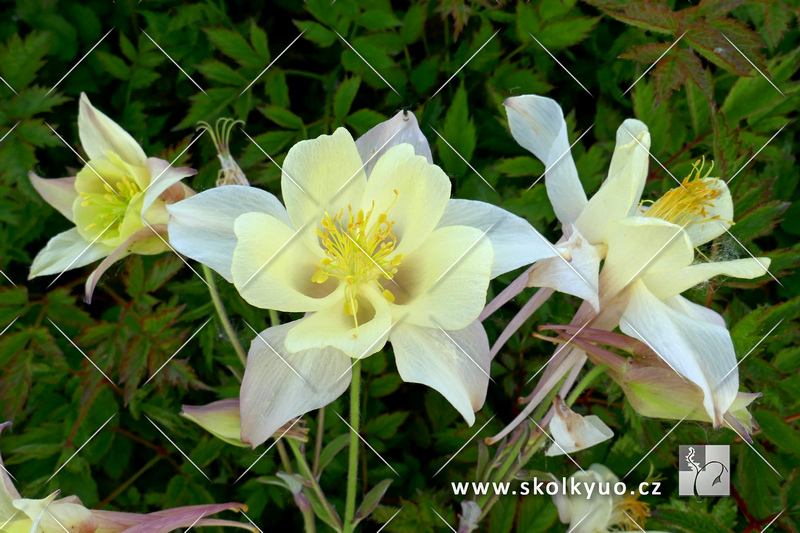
[778, 432]
[649, 15]
[710, 41]
[114, 65]
[233, 44]
[316, 33]
[414, 23]
[691, 521]
[378, 20]
[345, 94]
[384, 385]
[459, 131]
[385, 426]
[282, 117]
[23, 59]
[218, 71]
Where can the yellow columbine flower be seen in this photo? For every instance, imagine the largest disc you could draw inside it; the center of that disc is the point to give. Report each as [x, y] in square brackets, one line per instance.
[117, 201]
[389, 258]
[51, 515]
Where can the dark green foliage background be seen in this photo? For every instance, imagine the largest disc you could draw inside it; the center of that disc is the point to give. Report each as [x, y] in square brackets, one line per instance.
[699, 100]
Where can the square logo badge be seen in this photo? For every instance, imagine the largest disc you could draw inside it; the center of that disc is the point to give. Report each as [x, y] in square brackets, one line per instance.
[704, 470]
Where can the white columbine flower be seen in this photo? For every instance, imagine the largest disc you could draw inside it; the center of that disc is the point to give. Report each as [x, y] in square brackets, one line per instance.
[117, 201]
[572, 432]
[648, 251]
[389, 258]
[51, 515]
[600, 513]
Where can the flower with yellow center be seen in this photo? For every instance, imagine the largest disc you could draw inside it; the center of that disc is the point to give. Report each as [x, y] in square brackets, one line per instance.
[51, 515]
[647, 253]
[389, 258]
[596, 512]
[117, 201]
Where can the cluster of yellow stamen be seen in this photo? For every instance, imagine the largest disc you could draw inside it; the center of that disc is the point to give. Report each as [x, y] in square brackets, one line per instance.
[358, 251]
[688, 204]
[110, 204]
[626, 508]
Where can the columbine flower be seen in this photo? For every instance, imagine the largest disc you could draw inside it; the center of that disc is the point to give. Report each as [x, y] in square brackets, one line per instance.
[117, 201]
[648, 251]
[51, 515]
[600, 513]
[223, 420]
[230, 173]
[572, 432]
[391, 258]
[653, 388]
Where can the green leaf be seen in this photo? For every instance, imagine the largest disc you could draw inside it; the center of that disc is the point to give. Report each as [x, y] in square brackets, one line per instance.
[23, 59]
[345, 94]
[233, 45]
[519, 167]
[778, 432]
[331, 450]
[258, 38]
[364, 119]
[316, 33]
[710, 41]
[459, 131]
[386, 425]
[377, 20]
[414, 23]
[282, 117]
[384, 385]
[218, 71]
[371, 500]
[648, 14]
[691, 521]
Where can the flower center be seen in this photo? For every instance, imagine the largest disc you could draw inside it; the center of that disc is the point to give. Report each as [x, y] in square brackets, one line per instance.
[110, 204]
[627, 506]
[358, 250]
[689, 203]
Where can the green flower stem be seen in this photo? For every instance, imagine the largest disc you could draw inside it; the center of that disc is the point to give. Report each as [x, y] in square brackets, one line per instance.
[585, 382]
[305, 470]
[309, 521]
[223, 316]
[319, 436]
[352, 469]
[287, 464]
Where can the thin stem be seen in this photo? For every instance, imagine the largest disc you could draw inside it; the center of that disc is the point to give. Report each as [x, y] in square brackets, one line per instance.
[129, 482]
[319, 436]
[305, 470]
[274, 320]
[352, 469]
[585, 382]
[309, 521]
[223, 316]
[287, 464]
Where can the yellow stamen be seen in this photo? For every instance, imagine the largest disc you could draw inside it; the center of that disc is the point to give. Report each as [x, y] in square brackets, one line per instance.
[358, 253]
[625, 506]
[688, 204]
[110, 207]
